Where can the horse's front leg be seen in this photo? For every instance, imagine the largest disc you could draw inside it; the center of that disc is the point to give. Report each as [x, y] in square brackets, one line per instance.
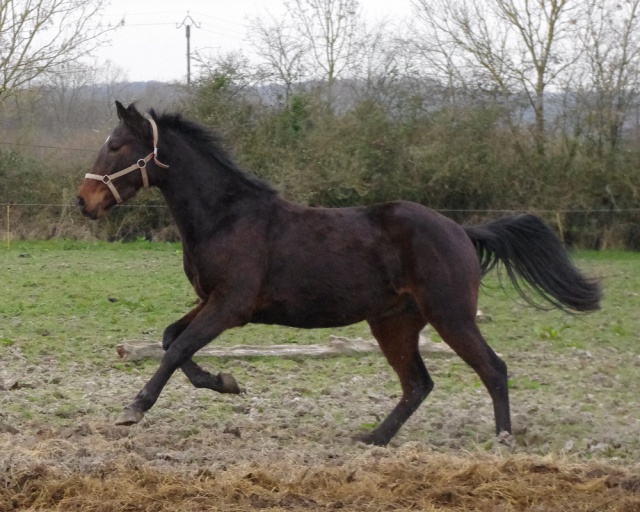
[199, 377]
[208, 323]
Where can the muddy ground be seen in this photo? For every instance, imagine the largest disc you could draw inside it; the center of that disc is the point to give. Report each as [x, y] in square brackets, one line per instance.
[299, 415]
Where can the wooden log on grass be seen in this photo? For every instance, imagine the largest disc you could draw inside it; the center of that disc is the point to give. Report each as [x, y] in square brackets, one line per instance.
[337, 346]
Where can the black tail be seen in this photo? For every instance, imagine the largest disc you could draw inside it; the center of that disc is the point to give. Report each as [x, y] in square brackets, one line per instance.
[531, 252]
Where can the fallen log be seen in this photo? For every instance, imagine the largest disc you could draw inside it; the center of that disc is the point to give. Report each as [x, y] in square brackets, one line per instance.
[337, 346]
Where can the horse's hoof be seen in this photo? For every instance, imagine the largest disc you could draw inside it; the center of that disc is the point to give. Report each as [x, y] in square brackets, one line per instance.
[370, 438]
[506, 439]
[130, 417]
[229, 384]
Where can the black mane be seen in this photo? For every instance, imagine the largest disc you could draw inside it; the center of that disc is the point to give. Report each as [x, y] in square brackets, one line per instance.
[210, 144]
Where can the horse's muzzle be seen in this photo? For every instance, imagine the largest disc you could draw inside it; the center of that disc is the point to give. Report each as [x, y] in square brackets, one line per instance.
[80, 203]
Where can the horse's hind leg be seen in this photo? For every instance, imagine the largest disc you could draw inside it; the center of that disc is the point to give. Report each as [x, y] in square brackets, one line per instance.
[463, 336]
[199, 377]
[398, 339]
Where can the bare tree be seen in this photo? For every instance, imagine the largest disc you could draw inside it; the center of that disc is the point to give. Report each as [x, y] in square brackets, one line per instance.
[42, 36]
[65, 94]
[282, 50]
[375, 58]
[610, 84]
[113, 78]
[81, 95]
[333, 32]
[331, 28]
[513, 45]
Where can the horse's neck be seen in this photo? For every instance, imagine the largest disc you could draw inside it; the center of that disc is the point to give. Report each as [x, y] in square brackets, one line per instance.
[200, 199]
[191, 197]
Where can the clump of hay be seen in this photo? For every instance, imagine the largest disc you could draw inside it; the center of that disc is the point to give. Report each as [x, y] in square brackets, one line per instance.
[378, 479]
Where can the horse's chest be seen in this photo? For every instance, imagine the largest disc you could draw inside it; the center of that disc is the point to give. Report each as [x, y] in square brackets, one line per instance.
[205, 282]
[199, 278]
[221, 274]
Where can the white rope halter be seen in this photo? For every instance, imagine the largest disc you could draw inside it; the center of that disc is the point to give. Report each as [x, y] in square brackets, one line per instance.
[141, 164]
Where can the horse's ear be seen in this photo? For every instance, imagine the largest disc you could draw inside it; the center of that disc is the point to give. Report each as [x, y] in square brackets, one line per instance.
[122, 112]
[130, 116]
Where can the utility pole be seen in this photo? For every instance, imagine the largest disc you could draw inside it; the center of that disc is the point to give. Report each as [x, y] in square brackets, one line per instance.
[186, 23]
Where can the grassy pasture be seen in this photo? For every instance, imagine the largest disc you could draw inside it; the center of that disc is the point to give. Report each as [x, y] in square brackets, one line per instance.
[74, 299]
[65, 306]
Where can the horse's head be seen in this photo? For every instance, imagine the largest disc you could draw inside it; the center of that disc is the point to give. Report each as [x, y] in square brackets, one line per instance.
[123, 157]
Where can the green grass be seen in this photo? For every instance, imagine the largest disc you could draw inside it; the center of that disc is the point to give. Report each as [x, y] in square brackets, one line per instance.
[76, 301]
[516, 325]
[71, 300]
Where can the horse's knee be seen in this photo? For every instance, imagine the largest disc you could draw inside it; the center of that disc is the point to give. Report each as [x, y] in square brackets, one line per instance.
[170, 334]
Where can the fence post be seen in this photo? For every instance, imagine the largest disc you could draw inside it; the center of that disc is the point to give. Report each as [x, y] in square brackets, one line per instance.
[8, 225]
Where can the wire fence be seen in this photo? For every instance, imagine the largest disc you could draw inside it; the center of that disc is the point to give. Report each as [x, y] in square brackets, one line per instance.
[441, 210]
[599, 228]
[11, 145]
[45, 221]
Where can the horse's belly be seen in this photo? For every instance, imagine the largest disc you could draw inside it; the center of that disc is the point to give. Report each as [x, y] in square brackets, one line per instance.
[313, 314]
[330, 283]
[312, 321]
[331, 310]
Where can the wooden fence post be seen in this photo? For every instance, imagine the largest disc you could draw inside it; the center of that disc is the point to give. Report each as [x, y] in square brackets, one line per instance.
[8, 226]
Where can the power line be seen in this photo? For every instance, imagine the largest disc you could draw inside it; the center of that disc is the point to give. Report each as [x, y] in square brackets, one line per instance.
[145, 24]
[214, 29]
[216, 18]
[147, 15]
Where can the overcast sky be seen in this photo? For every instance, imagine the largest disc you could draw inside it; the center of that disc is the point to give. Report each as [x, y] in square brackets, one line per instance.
[150, 46]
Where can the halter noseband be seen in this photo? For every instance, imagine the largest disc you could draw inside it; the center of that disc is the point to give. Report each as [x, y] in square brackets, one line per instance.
[141, 164]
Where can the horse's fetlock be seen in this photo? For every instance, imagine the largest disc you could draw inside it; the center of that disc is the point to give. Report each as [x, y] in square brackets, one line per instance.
[143, 401]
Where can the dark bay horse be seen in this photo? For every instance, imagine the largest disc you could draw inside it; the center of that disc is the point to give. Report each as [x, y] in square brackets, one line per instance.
[251, 256]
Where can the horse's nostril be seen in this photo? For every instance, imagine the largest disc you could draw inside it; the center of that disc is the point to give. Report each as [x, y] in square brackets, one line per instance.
[80, 202]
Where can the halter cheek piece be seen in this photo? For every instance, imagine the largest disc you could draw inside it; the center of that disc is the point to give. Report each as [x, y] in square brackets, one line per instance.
[141, 164]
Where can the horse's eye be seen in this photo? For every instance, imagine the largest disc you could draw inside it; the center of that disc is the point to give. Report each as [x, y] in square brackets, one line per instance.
[113, 148]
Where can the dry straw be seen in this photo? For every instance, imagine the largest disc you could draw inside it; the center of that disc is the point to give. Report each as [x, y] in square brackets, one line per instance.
[376, 480]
